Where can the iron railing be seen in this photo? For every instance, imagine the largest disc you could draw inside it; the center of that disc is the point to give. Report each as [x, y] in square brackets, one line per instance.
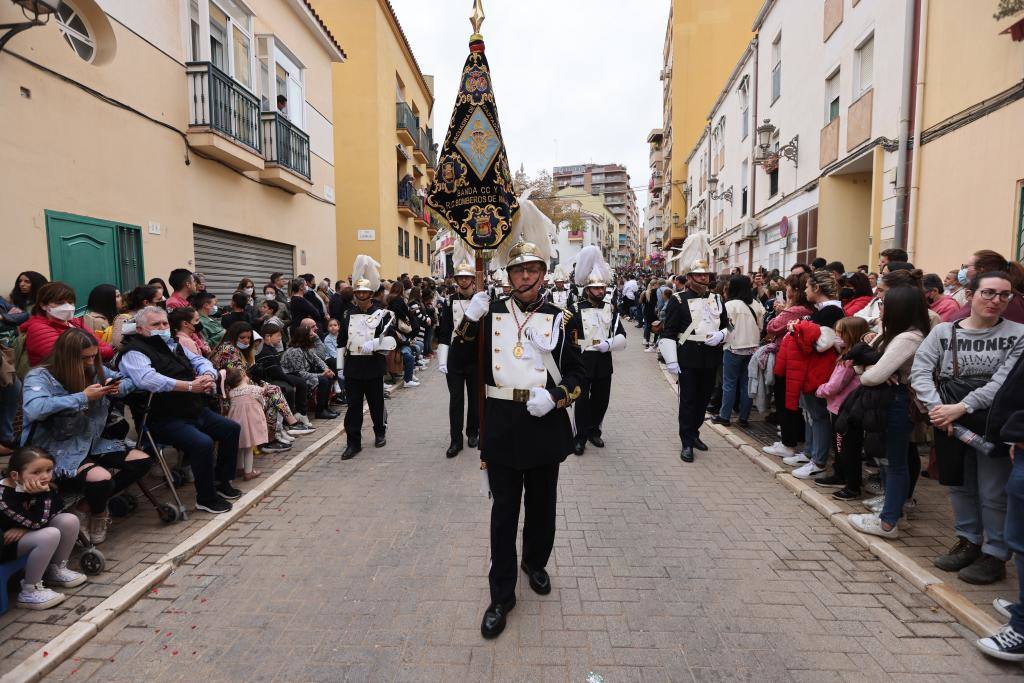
[407, 120]
[407, 197]
[285, 144]
[217, 101]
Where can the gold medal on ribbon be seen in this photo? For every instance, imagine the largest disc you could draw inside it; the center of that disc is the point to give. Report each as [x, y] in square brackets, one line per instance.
[517, 350]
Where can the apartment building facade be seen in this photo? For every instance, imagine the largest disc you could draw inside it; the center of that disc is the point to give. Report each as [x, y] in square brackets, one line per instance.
[144, 137]
[612, 182]
[596, 225]
[384, 107]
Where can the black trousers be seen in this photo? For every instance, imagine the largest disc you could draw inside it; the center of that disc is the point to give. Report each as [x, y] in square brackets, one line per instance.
[507, 486]
[463, 386]
[295, 391]
[323, 392]
[791, 422]
[695, 387]
[591, 407]
[373, 391]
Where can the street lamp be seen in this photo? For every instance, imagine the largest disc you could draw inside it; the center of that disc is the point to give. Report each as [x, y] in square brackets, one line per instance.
[764, 140]
[35, 8]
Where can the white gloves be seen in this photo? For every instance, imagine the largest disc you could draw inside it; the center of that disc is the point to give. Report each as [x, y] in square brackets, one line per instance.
[442, 358]
[604, 346]
[478, 306]
[540, 403]
[715, 338]
[368, 347]
[669, 351]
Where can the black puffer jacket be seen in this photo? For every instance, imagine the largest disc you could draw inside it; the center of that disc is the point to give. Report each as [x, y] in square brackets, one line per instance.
[1006, 416]
[866, 408]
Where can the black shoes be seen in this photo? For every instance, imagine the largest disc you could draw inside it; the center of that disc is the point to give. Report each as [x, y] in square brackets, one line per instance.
[963, 554]
[745, 424]
[380, 442]
[540, 582]
[699, 445]
[228, 492]
[217, 506]
[473, 441]
[453, 450]
[686, 455]
[326, 414]
[984, 570]
[846, 493]
[597, 441]
[831, 481]
[494, 619]
[350, 452]
[579, 447]
[721, 421]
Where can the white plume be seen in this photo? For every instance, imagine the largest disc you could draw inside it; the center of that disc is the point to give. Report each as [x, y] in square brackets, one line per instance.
[695, 247]
[587, 261]
[461, 254]
[528, 225]
[366, 268]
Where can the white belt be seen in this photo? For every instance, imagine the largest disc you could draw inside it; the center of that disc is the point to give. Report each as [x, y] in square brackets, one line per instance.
[508, 394]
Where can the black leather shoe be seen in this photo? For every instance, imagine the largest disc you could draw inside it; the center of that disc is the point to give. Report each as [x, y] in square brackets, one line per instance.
[350, 452]
[686, 455]
[380, 442]
[579, 447]
[326, 415]
[700, 445]
[473, 441]
[540, 582]
[453, 450]
[720, 421]
[597, 441]
[494, 619]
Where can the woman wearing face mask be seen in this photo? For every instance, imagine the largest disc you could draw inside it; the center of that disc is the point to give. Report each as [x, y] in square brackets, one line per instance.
[987, 261]
[246, 286]
[238, 351]
[271, 293]
[185, 325]
[53, 314]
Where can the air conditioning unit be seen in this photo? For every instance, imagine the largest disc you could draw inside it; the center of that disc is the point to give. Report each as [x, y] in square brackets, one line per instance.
[748, 229]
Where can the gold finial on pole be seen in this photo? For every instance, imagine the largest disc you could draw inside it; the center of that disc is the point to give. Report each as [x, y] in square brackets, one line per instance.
[477, 18]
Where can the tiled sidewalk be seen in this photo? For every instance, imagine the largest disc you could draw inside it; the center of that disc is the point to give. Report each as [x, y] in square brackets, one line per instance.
[924, 534]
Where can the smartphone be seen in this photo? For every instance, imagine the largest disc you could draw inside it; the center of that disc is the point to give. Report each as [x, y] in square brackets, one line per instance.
[111, 380]
[780, 297]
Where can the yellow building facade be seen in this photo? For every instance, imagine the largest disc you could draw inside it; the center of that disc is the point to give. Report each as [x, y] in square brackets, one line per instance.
[141, 137]
[383, 140]
[703, 41]
[968, 187]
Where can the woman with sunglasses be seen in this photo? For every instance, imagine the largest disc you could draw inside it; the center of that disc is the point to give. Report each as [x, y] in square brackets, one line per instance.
[956, 374]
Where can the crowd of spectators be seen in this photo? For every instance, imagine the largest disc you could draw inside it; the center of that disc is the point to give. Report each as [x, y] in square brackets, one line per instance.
[864, 375]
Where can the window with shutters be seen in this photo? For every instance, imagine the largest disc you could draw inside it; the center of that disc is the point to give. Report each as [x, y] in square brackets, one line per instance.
[777, 67]
[864, 65]
[832, 97]
[807, 236]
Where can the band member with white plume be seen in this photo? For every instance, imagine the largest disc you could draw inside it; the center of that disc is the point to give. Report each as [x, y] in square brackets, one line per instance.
[365, 338]
[457, 359]
[696, 323]
[598, 332]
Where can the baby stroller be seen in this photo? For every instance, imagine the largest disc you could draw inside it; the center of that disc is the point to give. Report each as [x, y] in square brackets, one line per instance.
[123, 503]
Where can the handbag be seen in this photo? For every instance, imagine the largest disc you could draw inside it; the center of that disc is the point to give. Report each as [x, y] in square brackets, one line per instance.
[404, 327]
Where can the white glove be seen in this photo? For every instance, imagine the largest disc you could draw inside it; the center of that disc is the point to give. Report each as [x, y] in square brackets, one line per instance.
[672, 368]
[540, 403]
[604, 347]
[715, 338]
[478, 306]
[368, 347]
[442, 358]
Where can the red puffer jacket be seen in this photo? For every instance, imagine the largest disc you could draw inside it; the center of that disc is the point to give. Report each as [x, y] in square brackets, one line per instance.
[41, 334]
[806, 359]
[856, 304]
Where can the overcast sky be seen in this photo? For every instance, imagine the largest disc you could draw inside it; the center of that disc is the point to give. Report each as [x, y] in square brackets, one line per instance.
[576, 80]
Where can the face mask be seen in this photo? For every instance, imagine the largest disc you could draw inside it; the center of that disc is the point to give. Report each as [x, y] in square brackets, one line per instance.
[63, 312]
[269, 296]
[248, 291]
[279, 346]
[162, 334]
[214, 310]
[961, 276]
[243, 346]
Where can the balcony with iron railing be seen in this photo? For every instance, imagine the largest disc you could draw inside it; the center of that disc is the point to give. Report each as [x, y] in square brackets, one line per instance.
[286, 148]
[224, 118]
[420, 147]
[407, 126]
[409, 203]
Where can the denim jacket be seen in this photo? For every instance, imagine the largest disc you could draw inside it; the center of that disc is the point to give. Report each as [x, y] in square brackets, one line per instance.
[68, 426]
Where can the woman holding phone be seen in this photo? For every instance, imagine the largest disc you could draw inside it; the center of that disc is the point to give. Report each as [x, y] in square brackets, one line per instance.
[67, 406]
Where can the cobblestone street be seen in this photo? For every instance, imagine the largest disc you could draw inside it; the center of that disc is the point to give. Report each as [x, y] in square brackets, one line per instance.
[375, 569]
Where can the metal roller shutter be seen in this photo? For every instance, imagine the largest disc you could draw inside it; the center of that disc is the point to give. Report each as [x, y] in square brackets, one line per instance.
[226, 257]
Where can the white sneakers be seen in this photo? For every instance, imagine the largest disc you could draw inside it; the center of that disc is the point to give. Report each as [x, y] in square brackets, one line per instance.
[796, 460]
[807, 470]
[97, 530]
[1002, 605]
[299, 429]
[59, 575]
[872, 524]
[778, 450]
[412, 383]
[304, 420]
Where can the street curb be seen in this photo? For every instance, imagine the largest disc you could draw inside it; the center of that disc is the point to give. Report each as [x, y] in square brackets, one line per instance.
[946, 596]
[62, 647]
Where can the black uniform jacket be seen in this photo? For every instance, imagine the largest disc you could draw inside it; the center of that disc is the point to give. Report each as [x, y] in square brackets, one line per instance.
[462, 352]
[597, 364]
[511, 436]
[364, 367]
[691, 354]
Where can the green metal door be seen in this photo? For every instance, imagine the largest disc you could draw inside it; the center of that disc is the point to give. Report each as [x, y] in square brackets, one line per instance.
[85, 252]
